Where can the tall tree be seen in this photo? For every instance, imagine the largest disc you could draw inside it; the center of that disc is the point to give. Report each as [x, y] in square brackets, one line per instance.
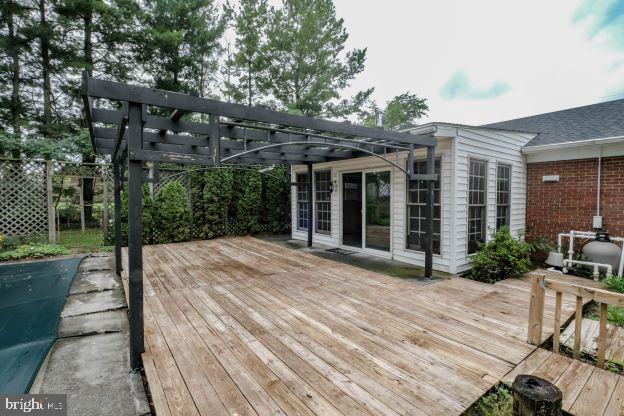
[402, 111]
[250, 22]
[307, 63]
[180, 44]
[15, 43]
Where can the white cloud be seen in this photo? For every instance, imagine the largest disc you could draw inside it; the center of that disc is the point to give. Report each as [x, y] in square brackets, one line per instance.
[536, 48]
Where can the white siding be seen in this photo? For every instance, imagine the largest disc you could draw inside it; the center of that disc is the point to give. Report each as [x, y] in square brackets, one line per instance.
[493, 146]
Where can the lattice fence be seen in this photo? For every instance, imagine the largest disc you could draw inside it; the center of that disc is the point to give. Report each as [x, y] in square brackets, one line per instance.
[23, 203]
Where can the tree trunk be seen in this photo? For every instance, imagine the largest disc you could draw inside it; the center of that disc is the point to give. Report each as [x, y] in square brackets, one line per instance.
[15, 77]
[88, 158]
[45, 69]
[534, 396]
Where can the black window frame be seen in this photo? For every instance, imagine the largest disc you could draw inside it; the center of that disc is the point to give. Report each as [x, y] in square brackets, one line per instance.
[419, 189]
[503, 195]
[477, 204]
[322, 201]
[302, 204]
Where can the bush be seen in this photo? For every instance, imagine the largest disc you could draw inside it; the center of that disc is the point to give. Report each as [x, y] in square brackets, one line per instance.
[248, 201]
[614, 283]
[218, 186]
[275, 197]
[33, 251]
[171, 214]
[500, 258]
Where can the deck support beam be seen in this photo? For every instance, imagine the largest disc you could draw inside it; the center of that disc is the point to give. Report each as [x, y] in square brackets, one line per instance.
[117, 205]
[310, 204]
[135, 235]
[430, 210]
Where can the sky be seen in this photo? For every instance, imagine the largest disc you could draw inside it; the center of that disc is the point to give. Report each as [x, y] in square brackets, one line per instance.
[484, 61]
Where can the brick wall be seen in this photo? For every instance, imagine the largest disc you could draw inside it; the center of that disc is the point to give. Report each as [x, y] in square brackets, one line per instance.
[553, 207]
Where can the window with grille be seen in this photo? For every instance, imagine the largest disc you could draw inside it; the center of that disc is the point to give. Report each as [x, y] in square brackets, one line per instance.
[477, 203]
[503, 189]
[416, 210]
[322, 193]
[302, 201]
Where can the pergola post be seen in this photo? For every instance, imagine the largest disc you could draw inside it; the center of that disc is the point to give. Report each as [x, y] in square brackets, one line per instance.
[310, 205]
[430, 209]
[135, 235]
[117, 205]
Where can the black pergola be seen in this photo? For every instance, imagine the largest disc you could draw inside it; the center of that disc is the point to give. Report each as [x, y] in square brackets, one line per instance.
[233, 133]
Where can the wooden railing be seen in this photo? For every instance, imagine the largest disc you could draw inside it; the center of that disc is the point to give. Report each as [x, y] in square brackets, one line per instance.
[540, 283]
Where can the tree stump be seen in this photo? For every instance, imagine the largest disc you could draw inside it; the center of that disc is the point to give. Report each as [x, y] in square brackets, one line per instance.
[534, 396]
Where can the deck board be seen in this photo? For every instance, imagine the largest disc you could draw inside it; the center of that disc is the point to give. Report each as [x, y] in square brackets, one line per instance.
[242, 326]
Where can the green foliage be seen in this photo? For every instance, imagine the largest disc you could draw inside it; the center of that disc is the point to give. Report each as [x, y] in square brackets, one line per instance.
[498, 402]
[615, 314]
[275, 200]
[172, 216]
[248, 189]
[500, 258]
[33, 251]
[614, 283]
[402, 111]
[218, 187]
[308, 63]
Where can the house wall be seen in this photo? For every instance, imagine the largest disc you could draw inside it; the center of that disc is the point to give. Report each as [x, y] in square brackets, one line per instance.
[494, 147]
[570, 204]
[456, 145]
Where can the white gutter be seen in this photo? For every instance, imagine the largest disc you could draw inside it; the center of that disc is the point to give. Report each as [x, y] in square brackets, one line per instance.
[580, 143]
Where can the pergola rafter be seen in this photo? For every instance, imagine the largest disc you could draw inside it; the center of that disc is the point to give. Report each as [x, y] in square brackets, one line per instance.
[234, 133]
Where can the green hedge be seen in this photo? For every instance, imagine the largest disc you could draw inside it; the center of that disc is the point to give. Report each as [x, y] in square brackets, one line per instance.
[223, 201]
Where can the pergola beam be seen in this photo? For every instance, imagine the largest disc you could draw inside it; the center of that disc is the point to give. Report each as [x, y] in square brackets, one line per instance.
[149, 96]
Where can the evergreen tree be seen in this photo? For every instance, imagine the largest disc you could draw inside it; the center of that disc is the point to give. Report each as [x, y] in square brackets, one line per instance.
[180, 44]
[307, 62]
[402, 111]
[250, 23]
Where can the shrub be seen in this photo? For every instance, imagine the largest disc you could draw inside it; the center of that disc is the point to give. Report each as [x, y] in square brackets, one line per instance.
[171, 214]
[275, 197]
[248, 201]
[500, 258]
[33, 251]
[218, 185]
[614, 283]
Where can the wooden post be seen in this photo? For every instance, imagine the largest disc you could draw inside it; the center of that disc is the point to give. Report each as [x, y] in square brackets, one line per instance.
[430, 210]
[135, 236]
[310, 205]
[117, 206]
[82, 213]
[534, 396]
[602, 335]
[50, 201]
[578, 320]
[105, 201]
[536, 309]
[557, 323]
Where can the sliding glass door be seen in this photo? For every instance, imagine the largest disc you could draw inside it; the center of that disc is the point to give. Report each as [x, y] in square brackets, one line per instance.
[378, 210]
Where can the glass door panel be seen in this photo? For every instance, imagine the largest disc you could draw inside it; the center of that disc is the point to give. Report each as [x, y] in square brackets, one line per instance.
[352, 209]
[378, 210]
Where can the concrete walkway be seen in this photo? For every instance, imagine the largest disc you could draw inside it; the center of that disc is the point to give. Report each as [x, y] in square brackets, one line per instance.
[90, 362]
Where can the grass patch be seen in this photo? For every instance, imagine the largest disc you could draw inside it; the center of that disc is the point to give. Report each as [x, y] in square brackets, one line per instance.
[498, 402]
[78, 242]
[614, 283]
[33, 251]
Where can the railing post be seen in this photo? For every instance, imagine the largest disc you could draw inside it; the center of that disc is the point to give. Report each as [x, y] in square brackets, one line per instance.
[50, 201]
[557, 323]
[536, 309]
[602, 335]
[578, 321]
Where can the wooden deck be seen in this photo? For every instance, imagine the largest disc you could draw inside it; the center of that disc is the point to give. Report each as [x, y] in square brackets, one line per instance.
[589, 339]
[243, 326]
[587, 390]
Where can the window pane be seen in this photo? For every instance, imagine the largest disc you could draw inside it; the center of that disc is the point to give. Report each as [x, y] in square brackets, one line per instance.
[322, 191]
[302, 201]
[416, 210]
[503, 190]
[477, 196]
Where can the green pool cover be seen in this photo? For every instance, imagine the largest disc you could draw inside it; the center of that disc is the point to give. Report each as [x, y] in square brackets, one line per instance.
[32, 296]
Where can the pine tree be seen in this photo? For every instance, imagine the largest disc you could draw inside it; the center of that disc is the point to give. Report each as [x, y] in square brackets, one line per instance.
[307, 62]
[400, 112]
[179, 44]
[250, 23]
